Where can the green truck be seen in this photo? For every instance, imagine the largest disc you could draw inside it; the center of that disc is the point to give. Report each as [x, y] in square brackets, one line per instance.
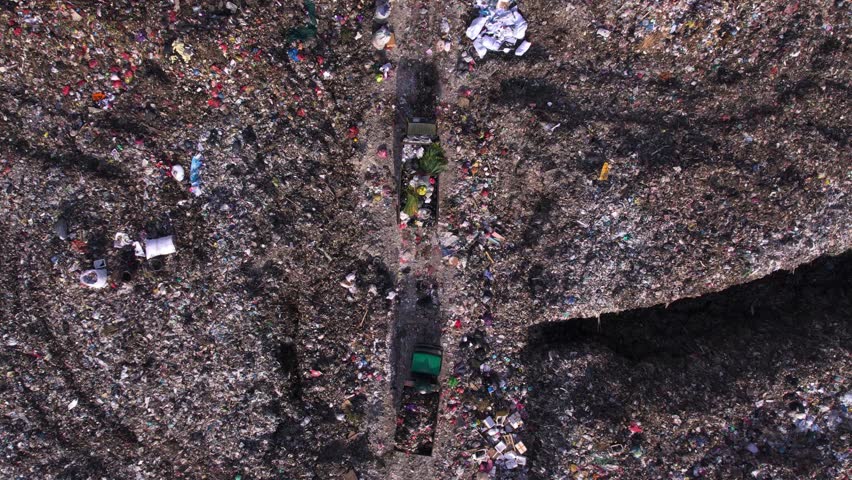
[418, 412]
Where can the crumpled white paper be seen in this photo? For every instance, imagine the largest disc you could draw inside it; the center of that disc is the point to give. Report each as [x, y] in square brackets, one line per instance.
[500, 29]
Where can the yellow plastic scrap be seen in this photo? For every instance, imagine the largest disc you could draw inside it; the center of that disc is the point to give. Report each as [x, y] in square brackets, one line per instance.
[180, 49]
[604, 172]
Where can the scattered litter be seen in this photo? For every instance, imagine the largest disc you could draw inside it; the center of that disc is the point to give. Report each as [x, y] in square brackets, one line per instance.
[349, 283]
[309, 29]
[383, 9]
[121, 240]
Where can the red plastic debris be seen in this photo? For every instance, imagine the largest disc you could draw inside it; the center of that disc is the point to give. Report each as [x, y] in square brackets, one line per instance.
[79, 246]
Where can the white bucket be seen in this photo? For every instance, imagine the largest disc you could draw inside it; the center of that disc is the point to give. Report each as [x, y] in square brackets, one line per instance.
[155, 247]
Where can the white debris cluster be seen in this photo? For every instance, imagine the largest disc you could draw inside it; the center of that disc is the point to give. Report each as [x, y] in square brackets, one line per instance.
[500, 27]
[505, 449]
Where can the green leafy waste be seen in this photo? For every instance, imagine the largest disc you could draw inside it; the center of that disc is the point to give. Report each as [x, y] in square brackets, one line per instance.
[433, 161]
[309, 30]
[412, 203]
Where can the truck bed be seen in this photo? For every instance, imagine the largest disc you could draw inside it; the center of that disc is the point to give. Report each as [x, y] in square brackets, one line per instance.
[416, 421]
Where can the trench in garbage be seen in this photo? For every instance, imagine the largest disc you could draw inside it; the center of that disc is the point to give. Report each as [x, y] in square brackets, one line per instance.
[418, 315]
[746, 332]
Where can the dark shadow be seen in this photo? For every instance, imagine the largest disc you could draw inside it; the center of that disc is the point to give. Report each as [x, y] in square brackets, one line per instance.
[660, 136]
[697, 358]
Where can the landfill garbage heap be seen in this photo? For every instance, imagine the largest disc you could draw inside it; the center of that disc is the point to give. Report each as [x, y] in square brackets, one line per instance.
[200, 235]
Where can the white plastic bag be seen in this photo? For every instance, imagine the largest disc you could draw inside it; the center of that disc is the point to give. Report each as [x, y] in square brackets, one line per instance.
[520, 29]
[381, 38]
[491, 43]
[480, 49]
[178, 173]
[476, 27]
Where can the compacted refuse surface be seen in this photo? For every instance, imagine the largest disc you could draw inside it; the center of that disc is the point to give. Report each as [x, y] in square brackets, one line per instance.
[203, 272]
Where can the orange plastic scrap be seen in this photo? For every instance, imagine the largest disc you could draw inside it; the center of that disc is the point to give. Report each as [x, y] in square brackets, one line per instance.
[98, 96]
[604, 172]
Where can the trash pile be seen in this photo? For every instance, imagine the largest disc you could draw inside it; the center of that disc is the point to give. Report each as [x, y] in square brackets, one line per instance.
[197, 155]
[98, 276]
[569, 198]
[420, 183]
[474, 230]
[423, 160]
[208, 288]
[500, 27]
[584, 190]
[506, 449]
[485, 410]
[415, 427]
[383, 37]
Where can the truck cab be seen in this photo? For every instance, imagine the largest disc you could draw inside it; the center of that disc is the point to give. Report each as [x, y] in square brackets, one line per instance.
[425, 368]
